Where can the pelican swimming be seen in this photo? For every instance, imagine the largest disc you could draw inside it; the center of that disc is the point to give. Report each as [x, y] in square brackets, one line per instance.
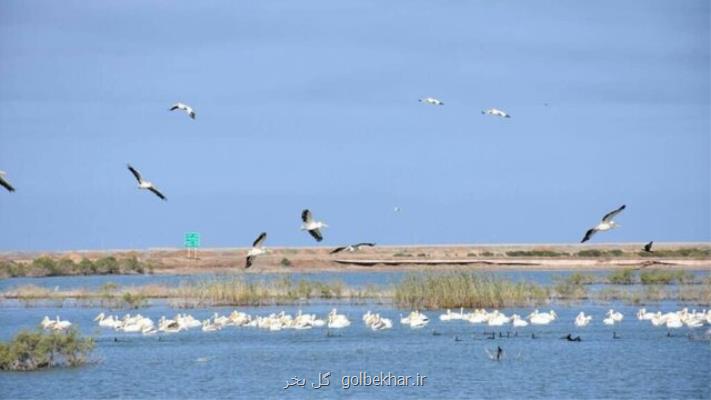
[582, 320]
[352, 247]
[518, 322]
[415, 319]
[313, 227]
[5, 183]
[539, 318]
[256, 250]
[337, 321]
[606, 224]
[431, 101]
[143, 184]
[496, 113]
[183, 107]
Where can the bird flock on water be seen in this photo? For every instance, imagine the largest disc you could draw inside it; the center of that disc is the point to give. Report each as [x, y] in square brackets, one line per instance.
[374, 321]
[314, 227]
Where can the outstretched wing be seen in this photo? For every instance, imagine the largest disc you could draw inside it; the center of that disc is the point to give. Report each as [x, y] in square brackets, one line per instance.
[588, 235]
[260, 240]
[175, 107]
[364, 244]
[248, 263]
[316, 234]
[157, 193]
[338, 250]
[306, 216]
[135, 173]
[609, 216]
[192, 114]
[6, 184]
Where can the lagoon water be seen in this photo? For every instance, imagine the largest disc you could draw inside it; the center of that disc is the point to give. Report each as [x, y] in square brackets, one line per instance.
[254, 363]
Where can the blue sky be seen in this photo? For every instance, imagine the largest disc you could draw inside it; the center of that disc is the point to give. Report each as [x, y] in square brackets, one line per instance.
[313, 104]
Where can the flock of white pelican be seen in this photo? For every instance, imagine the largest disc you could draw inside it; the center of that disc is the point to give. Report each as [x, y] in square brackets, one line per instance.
[415, 319]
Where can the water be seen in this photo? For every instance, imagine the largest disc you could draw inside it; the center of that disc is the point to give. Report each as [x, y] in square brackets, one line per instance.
[253, 363]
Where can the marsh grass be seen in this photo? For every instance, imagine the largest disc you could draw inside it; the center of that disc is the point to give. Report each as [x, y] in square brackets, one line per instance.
[463, 289]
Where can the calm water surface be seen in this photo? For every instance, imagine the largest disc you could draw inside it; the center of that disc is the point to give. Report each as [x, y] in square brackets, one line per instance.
[253, 363]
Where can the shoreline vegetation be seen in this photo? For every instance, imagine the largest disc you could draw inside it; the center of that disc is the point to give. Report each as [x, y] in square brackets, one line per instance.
[39, 349]
[418, 290]
[379, 258]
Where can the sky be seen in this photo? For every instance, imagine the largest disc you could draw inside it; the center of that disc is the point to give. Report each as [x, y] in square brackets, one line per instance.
[313, 104]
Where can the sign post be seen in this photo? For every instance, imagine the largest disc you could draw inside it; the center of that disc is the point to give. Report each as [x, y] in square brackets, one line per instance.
[192, 242]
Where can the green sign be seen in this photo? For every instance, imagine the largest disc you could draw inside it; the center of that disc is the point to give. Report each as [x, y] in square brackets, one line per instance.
[192, 240]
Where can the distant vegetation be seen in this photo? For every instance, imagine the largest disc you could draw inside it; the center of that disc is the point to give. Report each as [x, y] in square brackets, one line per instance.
[31, 350]
[464, 289]
[536, 253]
[47, 266]
[285, 262]
[688, 252]
[600, 253]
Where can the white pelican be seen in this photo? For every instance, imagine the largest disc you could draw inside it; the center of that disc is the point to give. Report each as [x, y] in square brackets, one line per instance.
[107, 322]
[518, 322]
[256, 250]
[351, 247]
[312, 226]
[496, 113]
[183, 107]
[56, 325]
[143, 184]
[337, 321]
[381, 323]
[415, 319]
[4, 182]
[208, 326]
[606, 224]
[431, 101]
[450, 316]
[582, 320]
[539, 318]
[615, 315]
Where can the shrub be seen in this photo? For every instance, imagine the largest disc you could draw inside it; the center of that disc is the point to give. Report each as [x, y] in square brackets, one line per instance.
[31, 350]
[107, 265]
[285, 262]
[46, 264]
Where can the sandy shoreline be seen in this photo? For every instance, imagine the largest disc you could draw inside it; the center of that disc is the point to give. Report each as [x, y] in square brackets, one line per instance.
[396, 258]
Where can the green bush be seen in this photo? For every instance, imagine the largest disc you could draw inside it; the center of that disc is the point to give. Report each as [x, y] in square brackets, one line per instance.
[31, 350]
[107, 265]
[285, 262]
[46, 265]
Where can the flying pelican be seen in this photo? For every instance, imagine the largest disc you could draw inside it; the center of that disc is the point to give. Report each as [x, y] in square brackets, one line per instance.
[145, 184]
[4, 183]
[496, 113]
[257, 249]
[606, 224]
[431, 101]
[648, 247]
[312, 226]
[184, 107]
[351, 247]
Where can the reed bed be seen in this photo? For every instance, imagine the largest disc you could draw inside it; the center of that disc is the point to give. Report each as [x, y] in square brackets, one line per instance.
[463, 289]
